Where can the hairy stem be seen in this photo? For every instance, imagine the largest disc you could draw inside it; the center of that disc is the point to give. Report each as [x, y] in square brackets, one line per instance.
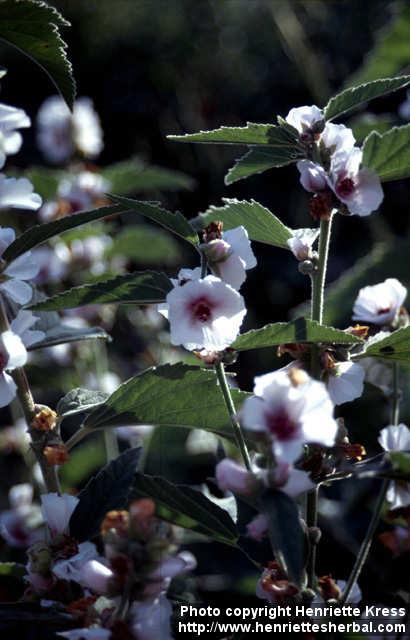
[318, 288]
[367, 542]
[50, 474]
[223, 383]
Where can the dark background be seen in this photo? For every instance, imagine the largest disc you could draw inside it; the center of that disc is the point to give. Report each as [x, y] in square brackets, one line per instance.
[159, 66]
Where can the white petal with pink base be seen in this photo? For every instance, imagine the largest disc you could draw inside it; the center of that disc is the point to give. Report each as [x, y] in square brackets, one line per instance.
[380, 303]
[205, 314]
[359, 189]
[292, 409]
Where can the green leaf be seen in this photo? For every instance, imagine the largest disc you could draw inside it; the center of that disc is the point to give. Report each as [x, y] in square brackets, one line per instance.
[388, 154]
[260, 223]
[350, 99]
[145, 244]
[132, 176]
[297, 331]
[12, 569]
[401, 462]
[108, 490]
[174, 222]
[252, 134]
[84, 461]
[33, 28]
[42, 232]
[396, 348]
[80, 400]
[144, 287]
[170, 395]
[258, 159]
[187, 508]
[62, 334]
[285, 533]
[364, 124]
[45, 180]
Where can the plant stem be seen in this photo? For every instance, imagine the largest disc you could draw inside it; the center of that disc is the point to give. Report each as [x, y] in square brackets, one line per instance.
[367, 542]
[318, 279]
[311, 521]
[28, 406]
[76, 438]
[223, 383]
[318, 287]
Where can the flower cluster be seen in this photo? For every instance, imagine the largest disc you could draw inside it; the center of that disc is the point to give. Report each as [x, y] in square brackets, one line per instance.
[334, 173]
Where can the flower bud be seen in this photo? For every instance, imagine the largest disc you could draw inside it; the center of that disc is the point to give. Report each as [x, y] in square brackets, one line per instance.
[231, 476]
[258, 527]
[117, 521]
[216, 250]
[44, 420]
[55, 454]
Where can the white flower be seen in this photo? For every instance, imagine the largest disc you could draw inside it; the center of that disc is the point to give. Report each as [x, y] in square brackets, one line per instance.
[78, 192]
[395, 438]
[61, 133]
[22, 324]
[303, 118]
[18, 193]
[96, 576]
[380, 303]
[337, 137]
[184, 276]
[292, 409]
[13, 354]
[258, 527]
[313, 177]
[19, 525]
[231, 476]
[52, 264]
[359, 189]
[72, 568]
[205, 314]
[57, 511]
[231, 256]
[11, 119]
[301, 243]
[345, 382]
[23, 268]
[90, 633]
[298, 482]
[152, 620]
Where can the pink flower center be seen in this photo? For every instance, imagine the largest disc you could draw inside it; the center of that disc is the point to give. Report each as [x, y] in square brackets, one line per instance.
[281, 425]
[201, 309]
[345, 187]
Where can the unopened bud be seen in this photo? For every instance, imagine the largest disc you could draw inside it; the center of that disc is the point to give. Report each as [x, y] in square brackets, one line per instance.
[117, 521]
[56, 454]
[216, 250]
[307, 267]
[314, 534]
[297, 376]
[44, 420]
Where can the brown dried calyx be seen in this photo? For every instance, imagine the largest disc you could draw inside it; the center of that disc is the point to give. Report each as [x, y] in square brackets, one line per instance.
[213, 231]
[55, 454]
[44, 420]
